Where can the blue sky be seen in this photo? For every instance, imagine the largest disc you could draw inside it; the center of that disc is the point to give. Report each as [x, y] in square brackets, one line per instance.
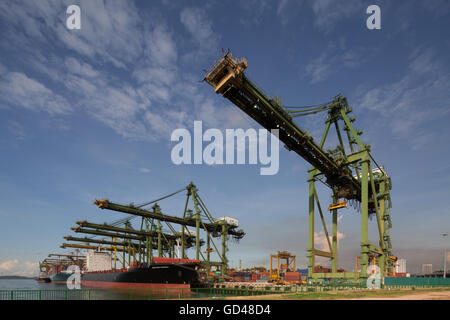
[88, 113]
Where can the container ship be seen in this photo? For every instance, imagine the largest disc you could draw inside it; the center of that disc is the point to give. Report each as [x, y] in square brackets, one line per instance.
[56, 265]
[161, 273]
[61, 277]
[43, 278]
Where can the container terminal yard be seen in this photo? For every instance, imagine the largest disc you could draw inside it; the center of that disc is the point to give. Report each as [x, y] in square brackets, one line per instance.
[147, 251]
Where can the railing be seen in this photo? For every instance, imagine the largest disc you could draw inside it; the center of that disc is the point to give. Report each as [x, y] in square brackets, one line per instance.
[399, 283]
[135, 294]
[195, 293]
[389, 283]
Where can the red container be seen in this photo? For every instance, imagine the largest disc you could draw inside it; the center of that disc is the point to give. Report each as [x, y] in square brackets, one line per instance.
[173, 260]
[292, 276]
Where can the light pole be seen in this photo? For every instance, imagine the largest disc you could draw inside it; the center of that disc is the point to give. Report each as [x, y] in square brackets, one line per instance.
[445, 255]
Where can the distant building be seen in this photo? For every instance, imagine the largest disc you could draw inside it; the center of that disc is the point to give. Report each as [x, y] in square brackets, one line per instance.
[427, 268]
[400, 266]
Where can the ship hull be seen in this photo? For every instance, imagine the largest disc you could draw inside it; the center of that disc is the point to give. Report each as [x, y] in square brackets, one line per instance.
[157, 276]
[61, 277]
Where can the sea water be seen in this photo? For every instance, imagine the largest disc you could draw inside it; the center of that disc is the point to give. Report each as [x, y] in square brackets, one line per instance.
[28, 284]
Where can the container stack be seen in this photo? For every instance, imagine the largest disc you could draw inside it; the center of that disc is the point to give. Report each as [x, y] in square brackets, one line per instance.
[292, 276]
[264, 276]
[173, 260]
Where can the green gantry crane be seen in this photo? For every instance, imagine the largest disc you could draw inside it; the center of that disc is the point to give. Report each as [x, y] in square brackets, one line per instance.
[151, 231]
[352, 176]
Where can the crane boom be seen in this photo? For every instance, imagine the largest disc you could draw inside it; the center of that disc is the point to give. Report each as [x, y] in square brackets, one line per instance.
[350, 176]
[228, 79]
[106, 204]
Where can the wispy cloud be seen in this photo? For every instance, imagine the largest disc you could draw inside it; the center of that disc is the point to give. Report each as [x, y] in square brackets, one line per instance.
[19, 268]
[253, 11]
[199, 26]
[288, 11]
[328, 13]
[17, 89]
[333, 59]
[321, 243]
[414, 99]
[16, 130]
[144, 170]
[122, 69]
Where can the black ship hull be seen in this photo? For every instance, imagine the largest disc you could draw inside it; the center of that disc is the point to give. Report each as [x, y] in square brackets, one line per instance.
[155, 276]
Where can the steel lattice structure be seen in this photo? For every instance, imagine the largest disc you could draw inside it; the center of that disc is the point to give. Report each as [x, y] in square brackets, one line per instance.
[139, 244]
[352, 176]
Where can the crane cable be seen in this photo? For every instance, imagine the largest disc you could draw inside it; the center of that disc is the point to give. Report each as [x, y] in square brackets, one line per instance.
[307, 110]
[162, 198]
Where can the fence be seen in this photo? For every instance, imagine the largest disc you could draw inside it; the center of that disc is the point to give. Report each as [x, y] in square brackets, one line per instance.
[397, 283]
[193, 293]
[134, 294]
[389, 283]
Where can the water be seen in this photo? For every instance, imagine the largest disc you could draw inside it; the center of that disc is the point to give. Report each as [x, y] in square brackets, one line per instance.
[29, 284]
[34, 290]
[56, 291]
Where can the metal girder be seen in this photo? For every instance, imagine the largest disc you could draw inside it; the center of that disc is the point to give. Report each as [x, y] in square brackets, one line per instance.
[228, 78]
[108, 234]
[106, 204]
[112, 243]
[80, 246]
[349, 176]
[84, 223]
[323, 253]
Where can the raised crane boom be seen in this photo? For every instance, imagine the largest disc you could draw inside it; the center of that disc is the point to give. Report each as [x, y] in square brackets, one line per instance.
[228, 79]
[350, 176]
[106, 204]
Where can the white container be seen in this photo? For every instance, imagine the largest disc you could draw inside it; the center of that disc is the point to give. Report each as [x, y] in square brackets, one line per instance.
[187, 232]
[230, 221]
[98, 261]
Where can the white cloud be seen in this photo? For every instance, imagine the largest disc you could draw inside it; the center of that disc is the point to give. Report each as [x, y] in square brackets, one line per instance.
[80, 68]
[253, 11]
[328, 13]
[438, 7]
[8, 265]
[281, 6]
[321, 243]
[19, 268]
[320, 240]
[333, 59]
[161, 49]
[288, 10]
[16, 130]
[17, 89]
[197, 23]
[144, 170]
[414, 99]
[109, 31]
[122, 70]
